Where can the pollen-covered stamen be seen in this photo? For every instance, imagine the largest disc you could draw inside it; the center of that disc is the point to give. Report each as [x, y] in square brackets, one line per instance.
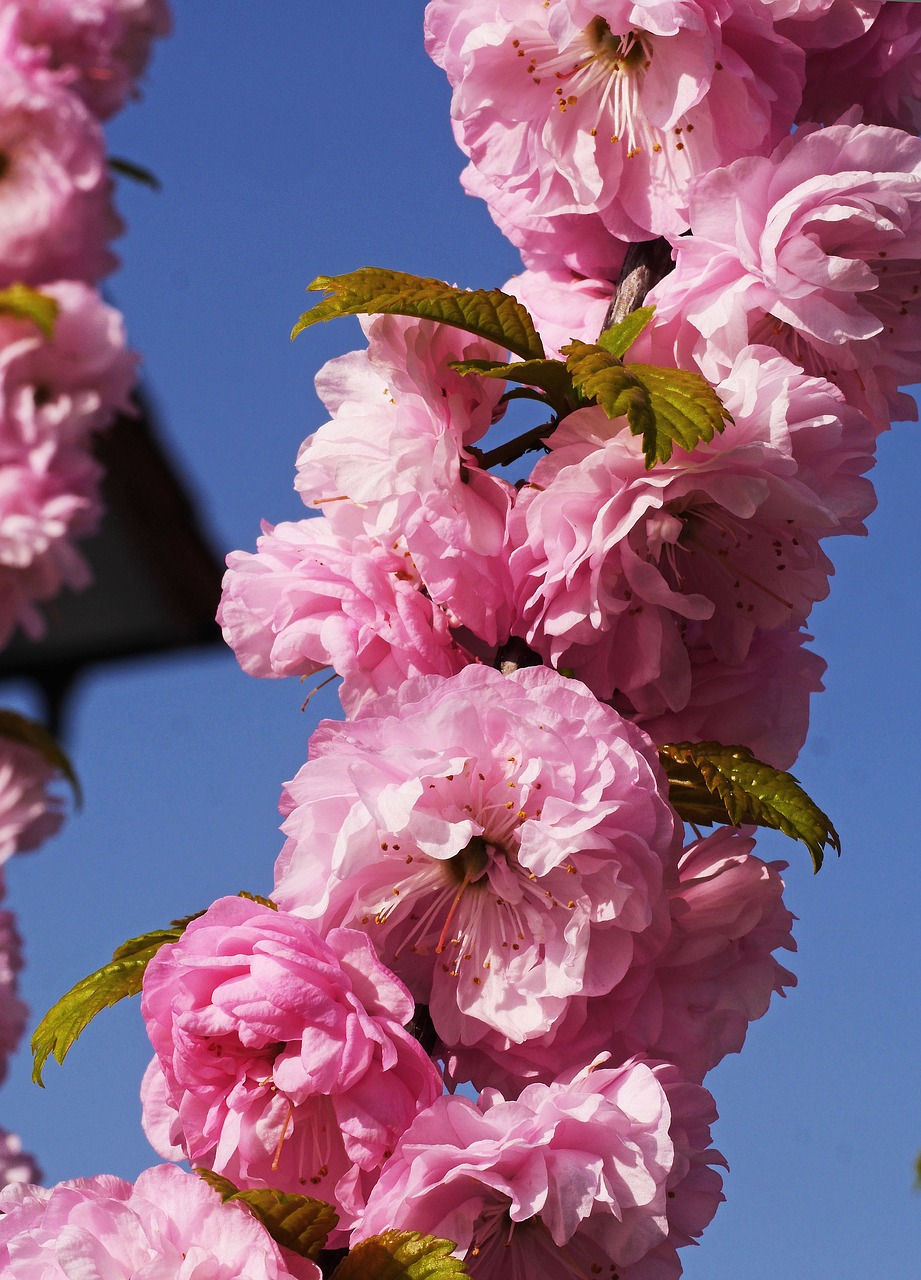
[281, 1137]
[470, 864]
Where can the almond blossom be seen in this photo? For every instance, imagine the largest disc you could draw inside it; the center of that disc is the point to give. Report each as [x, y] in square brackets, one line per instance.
[398, 449]
[501, 839]
[311, 598]
[605, 1172]
[813, 250]
[168, 1223]
[284, 1057]
[621, 571]
[610, 108]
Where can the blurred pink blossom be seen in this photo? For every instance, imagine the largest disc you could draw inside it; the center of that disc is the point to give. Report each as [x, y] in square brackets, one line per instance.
[16, 1165]
[96, 48]
[56, 217]
[284, 1054]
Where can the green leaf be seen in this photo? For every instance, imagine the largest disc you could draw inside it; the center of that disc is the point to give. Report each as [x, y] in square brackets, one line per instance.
[298, 1223]
[401, 1255]
[621, 337]
[712, 783]
[123, 976]
[664, 406]
[551, 376]
[18, 729]
[136, 172]
[487, 313]
[24, 303]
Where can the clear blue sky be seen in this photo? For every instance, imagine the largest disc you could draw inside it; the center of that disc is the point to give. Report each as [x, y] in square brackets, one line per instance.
[295, 139]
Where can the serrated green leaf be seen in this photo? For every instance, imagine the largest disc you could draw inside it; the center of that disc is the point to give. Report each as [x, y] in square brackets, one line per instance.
[298, 1223]
[712, 783]
[401, 1255]
[664, 406]
[65, 1021]
[25, 303]
[550, 376]
[136, 172]
[487, 313]
[18, 728]
[621, 337]
[257, 897]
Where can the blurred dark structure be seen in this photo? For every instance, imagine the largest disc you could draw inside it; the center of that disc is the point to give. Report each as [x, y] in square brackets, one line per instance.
[156, 576]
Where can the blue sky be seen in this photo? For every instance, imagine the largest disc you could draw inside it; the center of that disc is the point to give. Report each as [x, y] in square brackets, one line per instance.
[294, 140]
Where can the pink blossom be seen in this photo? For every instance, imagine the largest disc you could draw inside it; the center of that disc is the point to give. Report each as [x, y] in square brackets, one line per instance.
[399, 448]
[620, 572]
[879, 72]
[97, 48]
[310, 598]
[500, 838]
[65, 388]
[13, 1012]
[55, 212]
[581, 1177]
[169, 1223]
[690, 1002]
[30, 813]
[563, 305]
[285, 1057]
[49, 497]
[814, 251]
[761, 703]
[609, 108]
[16, 1165]
[824, 24]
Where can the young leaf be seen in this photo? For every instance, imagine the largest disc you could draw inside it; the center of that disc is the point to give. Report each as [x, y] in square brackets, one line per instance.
[18, 729]
[123, 976]
[24, 303]
[136, 172]
[298, 1223]
[487, 313]
[664, 406]
[401, 1255]
[550, 376]
[621, 337]
[712, 783]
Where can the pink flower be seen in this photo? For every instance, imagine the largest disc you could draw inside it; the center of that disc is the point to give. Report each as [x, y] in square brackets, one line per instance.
[620, 572]
[169, 1223]
[609, 108]
[761, 703]
[285, 1057]
[55, 213]
[589, 1175]
[691, 1001]
[398, 448]
[500, 838]
[68, 387]
[97, 48]
[16, 1165]
[813, 250]
[310, 598]
[49, 497]
[879, 71]
[563, 306]
[13, 1012]
[30, 813]
[824, 24]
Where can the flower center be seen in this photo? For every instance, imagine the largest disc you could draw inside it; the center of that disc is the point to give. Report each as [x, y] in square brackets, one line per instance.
[624, 53]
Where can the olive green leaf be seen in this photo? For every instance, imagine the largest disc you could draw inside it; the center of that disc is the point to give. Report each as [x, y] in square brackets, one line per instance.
[401, 1255]
[25, 303]
[298, 1223]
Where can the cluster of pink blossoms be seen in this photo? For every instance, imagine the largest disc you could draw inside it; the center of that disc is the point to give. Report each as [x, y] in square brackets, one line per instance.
[64, 367]
[484, 881]
[514, 646]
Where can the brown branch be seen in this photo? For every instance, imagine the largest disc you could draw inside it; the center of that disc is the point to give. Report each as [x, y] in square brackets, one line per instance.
[646, 263]
[514, 449]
